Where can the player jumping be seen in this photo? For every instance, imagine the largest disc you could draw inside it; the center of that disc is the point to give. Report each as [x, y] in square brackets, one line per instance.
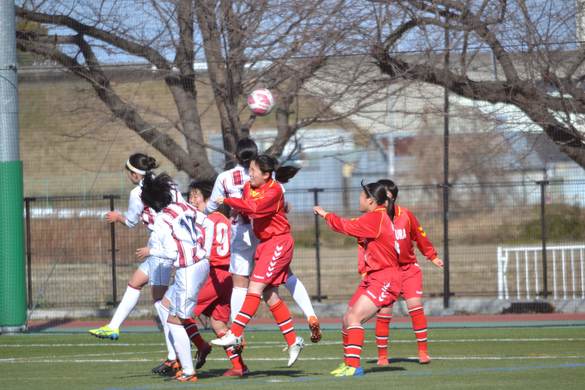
[263, 202]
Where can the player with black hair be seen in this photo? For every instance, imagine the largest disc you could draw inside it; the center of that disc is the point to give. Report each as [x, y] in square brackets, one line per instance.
[380, 285]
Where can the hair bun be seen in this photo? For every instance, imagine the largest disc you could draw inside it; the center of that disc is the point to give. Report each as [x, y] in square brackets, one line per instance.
[151, 163]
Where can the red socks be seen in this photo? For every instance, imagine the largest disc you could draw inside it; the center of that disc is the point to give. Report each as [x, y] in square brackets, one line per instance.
[419, 325]
[382, 331]
[284, 321]
[248, 310]
[190, 326]
[353, 349]
[234, 357]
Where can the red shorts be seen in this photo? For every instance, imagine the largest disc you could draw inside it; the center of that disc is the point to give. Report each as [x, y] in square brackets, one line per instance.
[214, 298]
[382, 287]
[272, 260]
[412, 284]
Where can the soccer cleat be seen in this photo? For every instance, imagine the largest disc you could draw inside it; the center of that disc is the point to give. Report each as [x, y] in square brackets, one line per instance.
[167, 368]
[227, 340]
[105, 332]
[295, 350]
[186, 377]
[201, 356]
[237, 372]
[350, 371]
[315, 329]
[383, 362]
[340, 368]
[423, 357]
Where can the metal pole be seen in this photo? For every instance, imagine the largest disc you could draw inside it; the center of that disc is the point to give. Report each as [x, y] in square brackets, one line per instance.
[315, 192]
[28, 252]
[446, 281]
[113, 249]
[543, 184]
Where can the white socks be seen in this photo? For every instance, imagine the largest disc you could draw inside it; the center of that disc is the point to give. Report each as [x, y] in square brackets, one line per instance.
[300, 295]
[237, 301]
[129, 300]
[183, 347]
[163, 314]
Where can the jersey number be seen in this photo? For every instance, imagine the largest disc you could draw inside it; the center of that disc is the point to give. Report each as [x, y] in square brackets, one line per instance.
[222, 239]
[237, 176]
[188, 222]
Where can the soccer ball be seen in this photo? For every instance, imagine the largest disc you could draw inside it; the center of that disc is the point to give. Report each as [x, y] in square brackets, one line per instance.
[260, 102]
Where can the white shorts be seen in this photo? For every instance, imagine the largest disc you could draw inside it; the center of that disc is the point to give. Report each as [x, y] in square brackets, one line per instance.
[243, 248]
[158, 270]
[184, 291]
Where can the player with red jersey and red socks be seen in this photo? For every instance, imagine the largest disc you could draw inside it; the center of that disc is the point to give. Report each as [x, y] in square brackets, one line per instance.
[263, 202]
[230, 184]
[380, 285]
[408, 232]
[214, 298]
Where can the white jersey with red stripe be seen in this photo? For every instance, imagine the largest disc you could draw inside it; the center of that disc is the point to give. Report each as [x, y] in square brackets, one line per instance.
[182, 234]
[137, 212]
[229, 184]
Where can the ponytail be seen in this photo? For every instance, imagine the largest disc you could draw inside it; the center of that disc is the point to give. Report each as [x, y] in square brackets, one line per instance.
[269, 164]
[392, 189]
[375, 191]
[157, 191]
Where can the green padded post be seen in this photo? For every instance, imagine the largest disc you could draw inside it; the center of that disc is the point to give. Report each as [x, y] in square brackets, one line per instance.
[12, 280]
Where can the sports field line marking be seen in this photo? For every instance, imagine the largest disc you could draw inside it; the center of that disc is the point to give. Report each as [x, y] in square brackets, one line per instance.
[134, 360]
[269, 343]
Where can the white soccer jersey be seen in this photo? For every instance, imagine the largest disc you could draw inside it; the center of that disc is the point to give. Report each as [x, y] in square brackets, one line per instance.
[137, 212]
[183, 234]
[229, 184]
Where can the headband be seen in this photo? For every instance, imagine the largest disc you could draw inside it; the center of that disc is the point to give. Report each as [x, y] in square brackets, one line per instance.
[135, 170]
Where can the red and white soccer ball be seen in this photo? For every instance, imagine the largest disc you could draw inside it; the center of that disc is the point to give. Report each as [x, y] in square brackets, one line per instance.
[261, 102]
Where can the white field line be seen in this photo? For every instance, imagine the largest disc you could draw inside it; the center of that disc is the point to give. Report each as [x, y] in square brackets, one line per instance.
[268, 343]
[134, 360]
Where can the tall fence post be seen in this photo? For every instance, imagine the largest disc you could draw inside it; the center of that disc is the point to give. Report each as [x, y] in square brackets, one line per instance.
[446, 271]
[113, 250]
[315, 192]
[543, 184]
[28, 252]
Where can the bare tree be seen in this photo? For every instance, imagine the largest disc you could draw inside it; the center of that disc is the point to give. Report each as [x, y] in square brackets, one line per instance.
[538, 62]
[244, 44]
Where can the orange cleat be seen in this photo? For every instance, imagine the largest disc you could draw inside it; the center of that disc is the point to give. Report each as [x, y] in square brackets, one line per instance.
[423, 357]
[186, 378]
[315, 329]
[237, 372]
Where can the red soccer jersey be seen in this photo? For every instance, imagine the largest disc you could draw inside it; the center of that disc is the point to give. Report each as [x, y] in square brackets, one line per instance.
[265, 207]
[408, 231]
[220, 247]
[375, 234]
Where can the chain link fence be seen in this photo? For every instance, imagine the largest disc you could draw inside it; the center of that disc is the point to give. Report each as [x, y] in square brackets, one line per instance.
[75, 259]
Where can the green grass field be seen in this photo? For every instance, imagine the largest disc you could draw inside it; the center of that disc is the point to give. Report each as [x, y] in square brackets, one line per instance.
[490, 358]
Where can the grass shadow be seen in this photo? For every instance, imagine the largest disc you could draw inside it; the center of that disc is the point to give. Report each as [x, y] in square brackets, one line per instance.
[397, 360]
[39, 327]
[214, 373]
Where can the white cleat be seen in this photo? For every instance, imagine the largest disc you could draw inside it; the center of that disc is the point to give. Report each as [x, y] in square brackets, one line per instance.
[295, 350]
[227, 340]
